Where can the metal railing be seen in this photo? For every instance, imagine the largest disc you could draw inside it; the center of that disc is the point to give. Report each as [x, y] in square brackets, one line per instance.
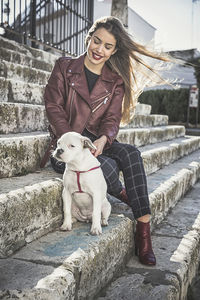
[47, 24]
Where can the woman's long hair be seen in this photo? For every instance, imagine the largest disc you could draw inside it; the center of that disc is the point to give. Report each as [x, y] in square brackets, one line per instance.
[127, 62]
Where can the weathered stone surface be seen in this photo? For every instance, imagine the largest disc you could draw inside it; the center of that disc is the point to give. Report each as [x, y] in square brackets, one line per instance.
[29, 213]
[28, 51]
[17, 117]
[22, 59]
[18, 182]
[142, 109]
[23, 73]
[18, 274]
[60, 285]
[144, 136]
[91, 261]
[137, 287]
[147, 121]
[21, 92]
[22, 154]
[155, 157]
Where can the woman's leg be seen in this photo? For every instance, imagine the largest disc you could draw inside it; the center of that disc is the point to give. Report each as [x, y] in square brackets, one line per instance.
[130, 163]
[111, 173]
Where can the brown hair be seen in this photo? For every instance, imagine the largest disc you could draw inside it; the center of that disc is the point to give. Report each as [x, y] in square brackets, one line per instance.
[128, 58]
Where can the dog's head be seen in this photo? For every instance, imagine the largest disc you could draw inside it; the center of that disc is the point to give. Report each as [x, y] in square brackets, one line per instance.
[71, 145]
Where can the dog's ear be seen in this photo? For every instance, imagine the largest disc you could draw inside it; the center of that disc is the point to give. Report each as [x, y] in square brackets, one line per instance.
[87, 143]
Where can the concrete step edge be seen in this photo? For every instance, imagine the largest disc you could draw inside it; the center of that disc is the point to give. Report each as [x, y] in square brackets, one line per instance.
[19, 118]
[26, 50]
[148, 120]
[23, 73]
[151, 135]
[21, 92]
[25, 60]
[103, 256]
[167, 153]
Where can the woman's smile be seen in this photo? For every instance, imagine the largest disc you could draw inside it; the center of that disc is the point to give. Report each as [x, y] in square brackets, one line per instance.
[96, 56]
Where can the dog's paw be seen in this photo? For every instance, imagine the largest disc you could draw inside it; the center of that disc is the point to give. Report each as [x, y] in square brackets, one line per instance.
[96, 230]
[104, 222]
[66, 227]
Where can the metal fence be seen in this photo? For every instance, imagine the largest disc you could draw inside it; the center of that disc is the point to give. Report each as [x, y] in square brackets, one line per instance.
[48, 24]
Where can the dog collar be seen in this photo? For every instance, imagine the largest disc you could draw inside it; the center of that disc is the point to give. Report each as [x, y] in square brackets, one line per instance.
[78, 177]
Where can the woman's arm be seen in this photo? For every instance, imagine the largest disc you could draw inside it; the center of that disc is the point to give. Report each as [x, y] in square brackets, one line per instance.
[55, 96]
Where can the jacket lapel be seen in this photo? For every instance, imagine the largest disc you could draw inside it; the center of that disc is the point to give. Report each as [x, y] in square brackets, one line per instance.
[78, 81]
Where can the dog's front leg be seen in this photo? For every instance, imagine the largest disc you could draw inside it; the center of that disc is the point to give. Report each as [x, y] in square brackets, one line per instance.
[96, 216]
[67, 202]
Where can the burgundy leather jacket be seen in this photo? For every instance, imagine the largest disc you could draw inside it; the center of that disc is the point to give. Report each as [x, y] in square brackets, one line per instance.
[70, 106]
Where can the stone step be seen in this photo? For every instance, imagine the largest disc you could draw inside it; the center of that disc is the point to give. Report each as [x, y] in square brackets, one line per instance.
[26, 60]
[22, 153]
[142, 109]
[19, 118]
[61, 265]
[43, 56]
[63, 268]
[151, 135]
[156, 156]
[177, 247]
[21, 92]
[22, 73]
[147, 121]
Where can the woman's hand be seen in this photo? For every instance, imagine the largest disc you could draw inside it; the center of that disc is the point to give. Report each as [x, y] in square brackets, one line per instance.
[100, 144]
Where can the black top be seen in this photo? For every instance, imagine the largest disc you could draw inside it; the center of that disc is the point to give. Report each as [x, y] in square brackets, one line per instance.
[91, 78]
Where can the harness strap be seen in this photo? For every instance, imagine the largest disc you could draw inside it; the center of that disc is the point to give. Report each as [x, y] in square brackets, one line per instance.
[78, 178]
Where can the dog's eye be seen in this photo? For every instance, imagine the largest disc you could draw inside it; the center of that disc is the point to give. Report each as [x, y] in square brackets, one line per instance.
[71, 146]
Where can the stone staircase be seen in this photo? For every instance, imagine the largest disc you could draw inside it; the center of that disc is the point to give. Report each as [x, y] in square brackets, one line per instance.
[40, 262]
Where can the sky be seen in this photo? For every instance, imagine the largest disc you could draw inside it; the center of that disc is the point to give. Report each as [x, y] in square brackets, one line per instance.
[176, 29]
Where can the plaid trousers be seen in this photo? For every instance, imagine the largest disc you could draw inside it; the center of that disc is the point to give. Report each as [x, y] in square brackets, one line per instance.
[125, 158]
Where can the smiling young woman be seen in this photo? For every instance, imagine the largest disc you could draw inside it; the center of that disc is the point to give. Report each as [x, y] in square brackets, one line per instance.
[91, 95]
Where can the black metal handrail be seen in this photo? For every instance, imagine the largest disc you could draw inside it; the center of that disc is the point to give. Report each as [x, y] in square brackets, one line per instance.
[48, 24]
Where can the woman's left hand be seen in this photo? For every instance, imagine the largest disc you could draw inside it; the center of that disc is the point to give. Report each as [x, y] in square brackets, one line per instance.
[100, 144]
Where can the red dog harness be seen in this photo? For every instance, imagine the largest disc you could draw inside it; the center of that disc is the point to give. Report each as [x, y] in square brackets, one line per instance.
[78, 178]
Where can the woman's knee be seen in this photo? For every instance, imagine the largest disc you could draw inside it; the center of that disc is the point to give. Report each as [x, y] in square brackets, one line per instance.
[128, 150]
[110, 169]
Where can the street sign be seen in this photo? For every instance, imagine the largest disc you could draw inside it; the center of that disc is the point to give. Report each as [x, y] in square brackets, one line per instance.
[194, 96]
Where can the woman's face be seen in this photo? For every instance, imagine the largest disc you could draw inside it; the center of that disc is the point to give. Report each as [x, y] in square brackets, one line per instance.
[100, 48]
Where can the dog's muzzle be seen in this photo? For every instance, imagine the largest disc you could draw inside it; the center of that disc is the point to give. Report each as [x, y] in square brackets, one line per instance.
[59, 152]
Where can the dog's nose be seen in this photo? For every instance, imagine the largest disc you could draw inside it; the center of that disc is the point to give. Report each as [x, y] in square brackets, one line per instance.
[59, 152]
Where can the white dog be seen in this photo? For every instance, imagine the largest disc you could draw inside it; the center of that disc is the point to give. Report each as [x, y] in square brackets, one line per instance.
[84, 193]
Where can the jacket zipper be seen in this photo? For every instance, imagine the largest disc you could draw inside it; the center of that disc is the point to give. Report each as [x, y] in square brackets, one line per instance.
[101, 98]
[100, 104]
[70, 116]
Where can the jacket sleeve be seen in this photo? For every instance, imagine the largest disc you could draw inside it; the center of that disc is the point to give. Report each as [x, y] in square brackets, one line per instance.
[112, 117]
[55, 96]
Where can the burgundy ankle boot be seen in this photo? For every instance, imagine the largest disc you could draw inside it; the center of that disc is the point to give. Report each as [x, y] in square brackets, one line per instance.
[143, 246]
